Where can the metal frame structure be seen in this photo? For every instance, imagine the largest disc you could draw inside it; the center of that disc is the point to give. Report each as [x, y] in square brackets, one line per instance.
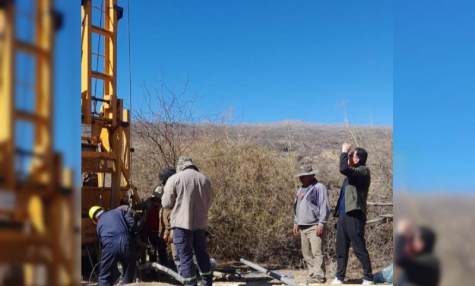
[36, 198]
[106, 124]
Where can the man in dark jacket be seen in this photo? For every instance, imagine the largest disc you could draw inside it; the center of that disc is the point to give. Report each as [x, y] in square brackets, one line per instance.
[414, 257]
[154, 215]
[351, 213]
[115, 229]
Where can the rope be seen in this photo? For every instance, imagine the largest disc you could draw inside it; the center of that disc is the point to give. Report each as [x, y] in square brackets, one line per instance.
[98, 53]
[91, 264]
[130, 84]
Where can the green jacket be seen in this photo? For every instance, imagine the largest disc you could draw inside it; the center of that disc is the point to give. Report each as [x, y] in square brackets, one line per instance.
[355, 186]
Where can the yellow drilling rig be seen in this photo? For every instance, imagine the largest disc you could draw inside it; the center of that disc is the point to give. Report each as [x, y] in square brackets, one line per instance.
[37, 243]
[105, 140]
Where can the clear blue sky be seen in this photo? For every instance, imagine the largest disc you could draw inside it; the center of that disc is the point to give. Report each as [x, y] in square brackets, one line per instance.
[276, 60]
[434, 95]
[265, 60]
[68, 85]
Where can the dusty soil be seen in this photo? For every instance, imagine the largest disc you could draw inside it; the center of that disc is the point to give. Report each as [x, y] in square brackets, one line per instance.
[298, 275]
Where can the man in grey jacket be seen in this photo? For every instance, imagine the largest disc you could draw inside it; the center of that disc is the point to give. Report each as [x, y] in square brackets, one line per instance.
[311, 211]
[188, 194]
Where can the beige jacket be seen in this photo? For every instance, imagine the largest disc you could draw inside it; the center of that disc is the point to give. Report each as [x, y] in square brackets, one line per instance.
[188, 193]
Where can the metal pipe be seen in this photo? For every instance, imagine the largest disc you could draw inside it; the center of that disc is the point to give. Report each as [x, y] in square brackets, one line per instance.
[165, 270]
[287, 280]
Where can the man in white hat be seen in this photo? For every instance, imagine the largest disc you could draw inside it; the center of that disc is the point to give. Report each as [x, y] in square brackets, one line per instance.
[188, 194]
[311, 211]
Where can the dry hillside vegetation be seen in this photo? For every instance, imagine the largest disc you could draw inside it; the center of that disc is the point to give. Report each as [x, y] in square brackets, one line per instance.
[252, 168]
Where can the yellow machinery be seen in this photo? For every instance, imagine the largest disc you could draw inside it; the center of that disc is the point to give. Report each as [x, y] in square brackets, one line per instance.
[36, 198]
[105, 122]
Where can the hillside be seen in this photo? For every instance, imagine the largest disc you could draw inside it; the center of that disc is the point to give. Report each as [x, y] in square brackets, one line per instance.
[252, 171]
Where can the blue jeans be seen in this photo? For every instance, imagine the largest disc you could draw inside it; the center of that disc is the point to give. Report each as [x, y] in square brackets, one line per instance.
[187, 243]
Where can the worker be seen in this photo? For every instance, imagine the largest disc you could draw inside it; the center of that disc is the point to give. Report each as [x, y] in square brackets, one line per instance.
[311, 211]
[188, 193]
[151, 208]
[165, 225]
[414, 255]
[351, 213]
[115, 229]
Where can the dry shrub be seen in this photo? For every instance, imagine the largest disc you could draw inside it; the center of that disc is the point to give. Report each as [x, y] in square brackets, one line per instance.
[253, 182]
[253, 189]
[253, 186]
[251, 170]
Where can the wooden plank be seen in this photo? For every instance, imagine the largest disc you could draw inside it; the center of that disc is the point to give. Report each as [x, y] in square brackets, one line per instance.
[379, 204]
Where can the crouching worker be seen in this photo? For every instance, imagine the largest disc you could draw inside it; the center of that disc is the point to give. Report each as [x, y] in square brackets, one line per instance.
[188, 194]
[115, 229]
[311, 210]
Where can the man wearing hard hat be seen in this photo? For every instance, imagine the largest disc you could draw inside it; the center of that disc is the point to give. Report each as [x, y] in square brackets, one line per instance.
[115, 229]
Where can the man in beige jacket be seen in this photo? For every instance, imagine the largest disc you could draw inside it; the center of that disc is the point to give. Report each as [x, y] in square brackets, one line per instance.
[188, 194]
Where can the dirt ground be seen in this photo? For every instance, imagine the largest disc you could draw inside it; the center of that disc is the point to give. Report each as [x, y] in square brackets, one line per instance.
[298, 275]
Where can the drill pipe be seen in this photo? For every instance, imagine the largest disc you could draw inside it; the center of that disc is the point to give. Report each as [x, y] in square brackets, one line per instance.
[166, 270]
[287, 280]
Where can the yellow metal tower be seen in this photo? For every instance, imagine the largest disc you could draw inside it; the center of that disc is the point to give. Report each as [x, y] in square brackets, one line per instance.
[36, 208]
[105, 121]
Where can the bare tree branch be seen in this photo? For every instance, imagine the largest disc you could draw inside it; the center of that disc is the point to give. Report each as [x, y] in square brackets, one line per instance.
[166, 123]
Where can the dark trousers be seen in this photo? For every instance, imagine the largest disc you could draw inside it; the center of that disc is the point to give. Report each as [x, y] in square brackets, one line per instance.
[350, 231]
[159, 251]
[187, 243]
[112, 252]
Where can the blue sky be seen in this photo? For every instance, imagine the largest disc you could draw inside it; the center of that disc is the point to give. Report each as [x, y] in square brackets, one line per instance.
[434, 95]
[278, 60]
[265, 60]
[68, 86]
